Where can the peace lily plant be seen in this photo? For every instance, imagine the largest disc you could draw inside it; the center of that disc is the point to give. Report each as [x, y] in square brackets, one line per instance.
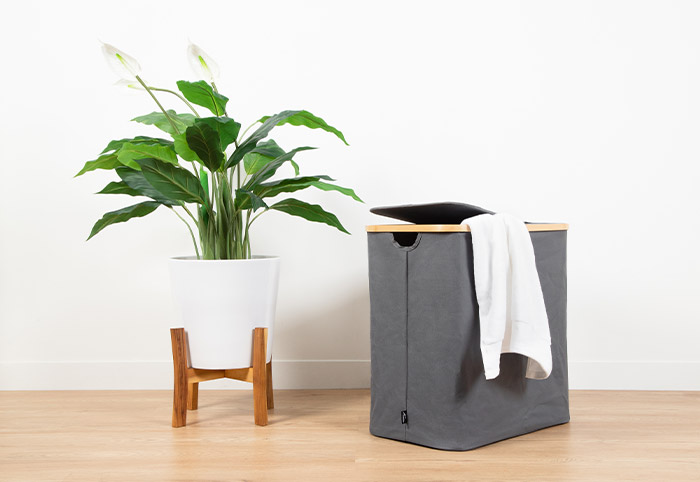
[211, 175]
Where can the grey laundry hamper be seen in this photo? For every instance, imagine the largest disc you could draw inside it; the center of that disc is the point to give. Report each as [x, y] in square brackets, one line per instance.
[428, 384]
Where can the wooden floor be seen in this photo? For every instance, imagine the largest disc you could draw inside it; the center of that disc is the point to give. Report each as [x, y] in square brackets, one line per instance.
[323, 435]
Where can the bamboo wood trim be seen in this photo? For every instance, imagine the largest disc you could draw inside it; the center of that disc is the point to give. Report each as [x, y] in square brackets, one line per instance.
[451, 228]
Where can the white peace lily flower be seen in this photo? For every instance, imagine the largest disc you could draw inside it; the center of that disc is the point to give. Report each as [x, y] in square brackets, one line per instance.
[124, 65]
[202, 65]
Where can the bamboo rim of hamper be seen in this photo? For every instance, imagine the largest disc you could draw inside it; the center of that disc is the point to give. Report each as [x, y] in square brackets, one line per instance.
[451, 228]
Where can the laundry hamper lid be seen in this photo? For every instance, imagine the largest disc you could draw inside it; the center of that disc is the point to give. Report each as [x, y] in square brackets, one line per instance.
[432, 213]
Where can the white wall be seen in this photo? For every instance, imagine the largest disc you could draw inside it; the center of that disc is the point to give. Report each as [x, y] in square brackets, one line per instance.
[582, 112]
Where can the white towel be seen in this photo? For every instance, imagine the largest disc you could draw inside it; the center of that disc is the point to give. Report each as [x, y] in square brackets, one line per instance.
[512, 315]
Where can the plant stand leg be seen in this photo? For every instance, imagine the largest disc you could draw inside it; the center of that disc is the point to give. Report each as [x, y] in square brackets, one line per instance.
[260, 399]
[192, 396]
[270, 397]
[177, 338]
[186, 379]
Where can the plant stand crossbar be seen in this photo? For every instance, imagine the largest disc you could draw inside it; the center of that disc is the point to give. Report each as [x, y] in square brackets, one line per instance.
[186, 385]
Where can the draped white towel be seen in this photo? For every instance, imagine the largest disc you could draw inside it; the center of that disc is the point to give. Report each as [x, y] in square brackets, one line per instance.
[512, 314]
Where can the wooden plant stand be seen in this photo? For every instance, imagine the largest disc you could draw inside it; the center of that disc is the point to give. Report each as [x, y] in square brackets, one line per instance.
[186, 386]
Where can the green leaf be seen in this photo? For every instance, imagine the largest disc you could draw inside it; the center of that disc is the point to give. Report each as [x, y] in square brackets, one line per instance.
[310, 212]
[205, 142]
[307, 119]
[325, 186]
[253, 162]
[137, 181]
[275, 188]
[119, 188]
[271, 189]
[226, 127]
[247, 200]
[117, 144]
[172, 181]
[130, 152]
[269, 148]
[262, 132]
[136, 211]
[263, 153]
[269, 169]
[201, 93]
[238, 154]
[183, 150]
[158, 119]
[105, 161]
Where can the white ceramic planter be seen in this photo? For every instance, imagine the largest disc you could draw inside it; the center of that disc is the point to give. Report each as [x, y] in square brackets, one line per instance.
[222, 302]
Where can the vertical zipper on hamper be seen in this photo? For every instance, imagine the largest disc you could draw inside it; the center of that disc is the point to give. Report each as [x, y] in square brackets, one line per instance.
[404, 413]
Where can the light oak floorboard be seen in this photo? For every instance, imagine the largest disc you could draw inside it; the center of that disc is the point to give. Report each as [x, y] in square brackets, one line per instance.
[322, 435]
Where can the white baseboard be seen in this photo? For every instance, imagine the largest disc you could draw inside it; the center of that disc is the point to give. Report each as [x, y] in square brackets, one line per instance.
[593, 375]
[634, 375]
[155, 375]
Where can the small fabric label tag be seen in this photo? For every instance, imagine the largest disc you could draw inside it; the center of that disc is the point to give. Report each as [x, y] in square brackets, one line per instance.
[404, 417]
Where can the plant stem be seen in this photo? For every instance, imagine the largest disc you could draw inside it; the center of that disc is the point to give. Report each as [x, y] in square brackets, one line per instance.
[194, 241]
[216, 220]
[190, 214]
[257, 216]
[194, 168]
[213, 84]
[246, 130]
[172, 124]
[249, 222]
[246, 244]
[178, 96]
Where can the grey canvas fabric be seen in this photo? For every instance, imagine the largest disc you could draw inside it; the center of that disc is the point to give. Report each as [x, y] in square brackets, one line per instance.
[426, 358]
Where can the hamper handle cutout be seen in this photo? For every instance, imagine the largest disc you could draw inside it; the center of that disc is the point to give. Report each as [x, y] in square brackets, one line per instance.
[406, 240]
